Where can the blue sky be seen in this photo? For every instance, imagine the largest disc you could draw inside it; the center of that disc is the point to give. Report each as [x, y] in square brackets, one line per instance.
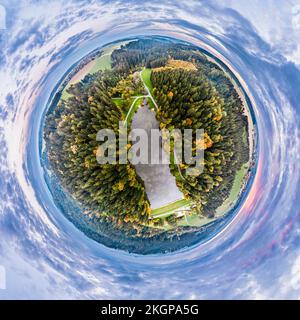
[45, 256]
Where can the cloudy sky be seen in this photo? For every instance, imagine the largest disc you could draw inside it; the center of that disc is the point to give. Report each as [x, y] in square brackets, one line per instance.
[42, 255]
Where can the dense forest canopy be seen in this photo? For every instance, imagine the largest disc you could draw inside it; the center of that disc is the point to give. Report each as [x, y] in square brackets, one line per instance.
[191, 93]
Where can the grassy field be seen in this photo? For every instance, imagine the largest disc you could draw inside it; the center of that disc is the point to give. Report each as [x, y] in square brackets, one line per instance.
[102, 63]
[238, 180]
[236, 187]
[65, 95]
[133, 109]
[124, 106]
[146, 76]
[150, 103]
[169, 208]
[118, 101]
[194, 220]
[191, 220]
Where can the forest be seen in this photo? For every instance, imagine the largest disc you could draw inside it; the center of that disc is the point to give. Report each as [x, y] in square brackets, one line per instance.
[113, 192]
[202, 98]
[191, 93]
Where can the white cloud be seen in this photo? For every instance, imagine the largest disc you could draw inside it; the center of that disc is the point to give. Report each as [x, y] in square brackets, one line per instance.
[278, 27]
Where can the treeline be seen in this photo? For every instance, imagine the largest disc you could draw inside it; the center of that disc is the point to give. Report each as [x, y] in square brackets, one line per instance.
[148, 52]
